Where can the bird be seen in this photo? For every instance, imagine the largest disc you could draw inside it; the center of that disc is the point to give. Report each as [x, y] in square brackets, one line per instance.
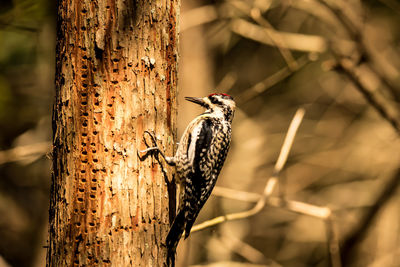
[198, 160]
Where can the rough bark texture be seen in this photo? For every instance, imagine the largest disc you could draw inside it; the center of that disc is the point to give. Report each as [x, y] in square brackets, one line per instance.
[116, 77]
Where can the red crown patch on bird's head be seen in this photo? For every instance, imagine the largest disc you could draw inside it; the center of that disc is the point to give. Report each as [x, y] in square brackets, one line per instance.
[222, 94]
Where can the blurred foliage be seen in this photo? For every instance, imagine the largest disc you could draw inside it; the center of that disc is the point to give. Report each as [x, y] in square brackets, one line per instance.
[27, 44]
[345, 155]
[273, 57]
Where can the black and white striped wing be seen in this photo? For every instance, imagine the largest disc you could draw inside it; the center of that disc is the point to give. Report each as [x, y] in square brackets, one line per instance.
[208, 149]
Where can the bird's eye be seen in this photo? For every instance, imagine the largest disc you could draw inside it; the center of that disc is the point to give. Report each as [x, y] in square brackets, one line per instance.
[215, 100]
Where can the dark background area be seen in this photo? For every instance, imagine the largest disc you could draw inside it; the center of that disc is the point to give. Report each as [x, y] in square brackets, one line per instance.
[339, 60]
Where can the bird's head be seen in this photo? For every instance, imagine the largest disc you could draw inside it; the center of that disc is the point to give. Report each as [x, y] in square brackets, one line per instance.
[219, 102]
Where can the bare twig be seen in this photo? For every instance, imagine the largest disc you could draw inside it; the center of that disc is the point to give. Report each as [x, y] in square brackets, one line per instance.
[315, 9]
[270, 81]
[353, 26]
[198, 16]
[373, 100]
[333, 242]
[359, 232]
[12, 27]
[293, 41]
[243, 249]
[271, 183]
[255, 13]
[235, 194]
[277, 202]
[3, 262]
[26, 152]
[227, 82]
[209, 13]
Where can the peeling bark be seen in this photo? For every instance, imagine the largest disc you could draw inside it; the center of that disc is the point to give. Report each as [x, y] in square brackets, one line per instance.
[116, 76]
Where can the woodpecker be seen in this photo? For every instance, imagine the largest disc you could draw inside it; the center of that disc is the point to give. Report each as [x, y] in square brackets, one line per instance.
[198, 160]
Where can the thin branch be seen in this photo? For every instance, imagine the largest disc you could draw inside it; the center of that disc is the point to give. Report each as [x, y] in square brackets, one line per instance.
[3, 262]
[235, 194]
[276, 202]
[243, 249]
[333, 242]
[358, 234]
[271, 80]
[293, 41]
[322, 213]
[198, 16]
[12, 27]
[22, 153]
[255, 13]
[209, 13]
[287, 144]
[315, 9]
[277, 39]
[353, 26]
[227, 82]
[373, 100]
[271, 182]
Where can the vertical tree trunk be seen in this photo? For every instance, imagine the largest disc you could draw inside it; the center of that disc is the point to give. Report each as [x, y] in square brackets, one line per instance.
[116, 76]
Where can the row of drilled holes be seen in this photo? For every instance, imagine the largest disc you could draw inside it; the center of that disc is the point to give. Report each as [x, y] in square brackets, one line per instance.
[85, 122]
[84, 103]
[84, 155]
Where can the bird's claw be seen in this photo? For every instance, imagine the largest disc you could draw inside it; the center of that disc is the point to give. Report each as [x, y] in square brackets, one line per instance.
[153, 139]
[148, 150]
[143, 153]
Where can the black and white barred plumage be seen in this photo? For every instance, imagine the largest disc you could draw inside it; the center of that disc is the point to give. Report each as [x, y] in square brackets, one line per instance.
[199, 158]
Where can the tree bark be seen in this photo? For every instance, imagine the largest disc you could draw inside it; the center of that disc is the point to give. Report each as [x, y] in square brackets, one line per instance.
[116, 76]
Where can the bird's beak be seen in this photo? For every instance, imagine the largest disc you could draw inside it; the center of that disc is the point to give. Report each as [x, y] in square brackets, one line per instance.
[196, 100]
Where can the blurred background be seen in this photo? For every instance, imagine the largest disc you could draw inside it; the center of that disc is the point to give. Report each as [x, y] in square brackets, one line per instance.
[338, 60]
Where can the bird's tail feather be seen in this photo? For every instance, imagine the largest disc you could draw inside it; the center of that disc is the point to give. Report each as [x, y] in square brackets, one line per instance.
[176, 231]
[171, 259]
[174, 235]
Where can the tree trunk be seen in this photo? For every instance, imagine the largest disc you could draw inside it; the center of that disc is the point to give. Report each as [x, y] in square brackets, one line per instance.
[116, 77]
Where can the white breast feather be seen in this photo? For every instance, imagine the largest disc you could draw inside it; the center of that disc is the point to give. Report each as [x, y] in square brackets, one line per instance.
[193, 141]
